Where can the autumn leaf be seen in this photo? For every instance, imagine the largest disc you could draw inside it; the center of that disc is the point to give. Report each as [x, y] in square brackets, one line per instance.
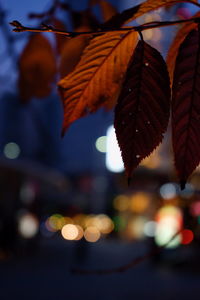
[133, 13]
[186, 107]
[72, 51]
[97, 76]
[73, 48]
[60, 39]
[107, 9]
[84, 19]
[142, 111]
[37, 68]
[179, 38]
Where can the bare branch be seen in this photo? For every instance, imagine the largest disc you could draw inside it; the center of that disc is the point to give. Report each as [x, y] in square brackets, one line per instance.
[46, 28]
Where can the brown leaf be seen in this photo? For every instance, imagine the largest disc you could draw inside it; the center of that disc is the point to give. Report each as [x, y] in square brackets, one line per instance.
[142, 111]
[60, 39]
[107, 9]
[72, 52]
[186, 107]
[132, 13]
[84, 18]
[37, 67]
[179, 38]
[97, 76]
[83, 21]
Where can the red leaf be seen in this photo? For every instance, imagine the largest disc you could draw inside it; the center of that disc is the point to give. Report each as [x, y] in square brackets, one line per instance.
[179, 38]
[142, 112]
[186, 107]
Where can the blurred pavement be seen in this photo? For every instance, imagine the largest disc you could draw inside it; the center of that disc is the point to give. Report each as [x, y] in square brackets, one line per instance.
[45, 275]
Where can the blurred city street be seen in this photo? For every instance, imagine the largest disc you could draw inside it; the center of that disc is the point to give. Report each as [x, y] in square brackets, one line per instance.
[46, 275]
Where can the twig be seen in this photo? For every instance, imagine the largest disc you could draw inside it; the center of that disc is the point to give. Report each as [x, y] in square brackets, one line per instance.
[131, 264]
[46, 28]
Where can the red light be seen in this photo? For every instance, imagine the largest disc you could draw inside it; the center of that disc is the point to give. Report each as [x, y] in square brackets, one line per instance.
[195, 208]
[187, 236]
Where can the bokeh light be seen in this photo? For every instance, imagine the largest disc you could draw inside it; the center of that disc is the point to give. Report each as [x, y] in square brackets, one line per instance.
[28, 225]
[135, 228]
[120, 223]
[164, 235]
[195, 209]
[103, 223]
[168, 191]
[139, 202]
[169, 221]
[78, 219]
[148, 34]
[89, 220]
[101, 144]
[157, 35]
[152, 161]
[92, 234]
[11, 150]
[70, 232]
[150, 228]
[55, 222]
[187, 236]
[80, 232]
[121, 202]
[114, 161]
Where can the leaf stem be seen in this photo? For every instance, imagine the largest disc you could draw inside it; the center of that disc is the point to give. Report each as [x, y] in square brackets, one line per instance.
[141, 36]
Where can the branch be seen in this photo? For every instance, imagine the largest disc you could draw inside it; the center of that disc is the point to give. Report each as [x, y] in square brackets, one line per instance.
[46, 28]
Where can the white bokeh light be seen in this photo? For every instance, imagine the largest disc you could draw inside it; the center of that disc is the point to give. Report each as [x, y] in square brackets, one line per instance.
[114, 161]
[11, 150]
[28, 225]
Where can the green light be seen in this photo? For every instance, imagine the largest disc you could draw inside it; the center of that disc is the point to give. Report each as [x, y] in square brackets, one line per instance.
[11, 150]
[101, 144]
[119, 223]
